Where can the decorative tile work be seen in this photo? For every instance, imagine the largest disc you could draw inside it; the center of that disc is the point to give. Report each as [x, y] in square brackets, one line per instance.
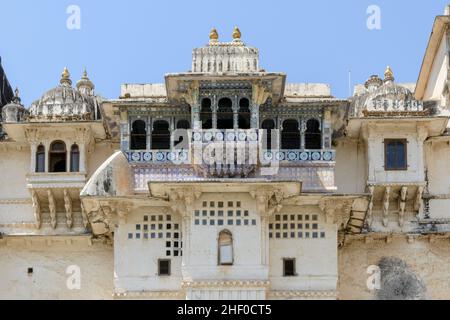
[295, 226]
[160, 227]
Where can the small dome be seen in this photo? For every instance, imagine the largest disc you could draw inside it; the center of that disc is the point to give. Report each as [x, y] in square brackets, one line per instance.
[14, 111]
[63, 103]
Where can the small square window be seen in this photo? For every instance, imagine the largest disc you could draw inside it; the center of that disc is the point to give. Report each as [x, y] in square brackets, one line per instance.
[138, 227]
[238, 204]
[168, 244]
[152, 235]
[175, 244]
[160, 235]
[314, 217]
[270, 226]
[315, 235]
[254, 222]
[175, 253]
[204, 213]
[205, 204]
[322, 234]
[163, 267]
[270, 235]
[292, 216]
[246, 213]
[230, 222]
[197, 222]
[168, 226]
[395, 154]
[212, 222]
[306, 234]
[168, 252]
[277, 235]
[146, 235]
[212, 204]
[285, 217]
[285, 235]
[288, 267]
[138, 235]
[169, 217]
[230, 213]
[278, 226]
[220, 204]
[292, 225]
[145, 227]
[160, 218]
[130, 236]
[238, 213]
[168, 235]
[153, 227]
[300, 235]
[292, 234]
[307, 217]
[160, 226]
[299, 217]
[277, 217]
[145, 218]
[176, 235]
[176, 226]
[197, 213]
[220, 222]
[220, 213]
[306, 225]
[212, 213]
[230, 203]
[153, 218]
[204, 222]
[300, 226]
[285, 225]
[315, 226]
[238, 222]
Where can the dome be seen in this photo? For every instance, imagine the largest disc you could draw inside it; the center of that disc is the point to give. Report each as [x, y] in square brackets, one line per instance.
[385, 96]
[63, 103]
[14, 111]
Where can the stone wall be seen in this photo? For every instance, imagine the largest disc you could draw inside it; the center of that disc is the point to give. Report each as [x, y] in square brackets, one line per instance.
[411, 269]
[50, 257]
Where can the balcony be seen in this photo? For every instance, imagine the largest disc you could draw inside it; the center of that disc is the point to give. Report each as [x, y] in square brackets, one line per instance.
[60, 180]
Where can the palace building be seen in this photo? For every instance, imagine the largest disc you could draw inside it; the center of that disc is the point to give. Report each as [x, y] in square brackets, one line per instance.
[228, 182]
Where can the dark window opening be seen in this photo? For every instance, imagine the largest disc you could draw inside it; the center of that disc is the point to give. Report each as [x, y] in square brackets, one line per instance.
[182, 127]
[58, 157]
[40, 159]
[225, 114]
[225, 248]
[74, 158]
[395, 156]
[206, 114]
[161, 135]
[164, 267]
[139, 135]
[289, 267]
[313, 136]
[244, 114]
[290, 136]
[268, 125]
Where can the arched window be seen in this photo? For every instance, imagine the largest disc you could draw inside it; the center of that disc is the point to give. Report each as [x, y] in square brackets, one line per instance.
[225, 114]
[225, 248]
[313, 136]
[290, 136]
[268, 125]
[161, 135]
[139, 135]
[40, 159]
[182, 127]
[206, 114]
[74, 158]
[58, 157]
[244, 114]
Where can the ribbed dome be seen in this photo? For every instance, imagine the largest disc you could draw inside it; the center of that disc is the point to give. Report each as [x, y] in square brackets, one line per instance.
[63, 103]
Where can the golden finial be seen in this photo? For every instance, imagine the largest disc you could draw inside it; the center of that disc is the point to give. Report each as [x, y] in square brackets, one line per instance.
[237, 33]
[65, 77]
[388, 74]
[213, 35]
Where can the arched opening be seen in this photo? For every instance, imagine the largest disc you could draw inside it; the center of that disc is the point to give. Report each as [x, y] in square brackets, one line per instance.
[313, 136]
[161, 135]
[225, 244]
[182, 127]
[40, 159]
[244, 114]
[225, 114]
[74, 158]
[139, 135]
[206, 114]
[268, 125]
[290, 136]
[58, 157]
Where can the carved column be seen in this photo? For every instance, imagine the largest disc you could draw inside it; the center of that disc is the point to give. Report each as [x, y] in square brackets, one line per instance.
[214, 108]
[236, 112]
[52, 208]
[33, 148]
[36, 208]
[68, 206]
[254, 118]
[302, 128]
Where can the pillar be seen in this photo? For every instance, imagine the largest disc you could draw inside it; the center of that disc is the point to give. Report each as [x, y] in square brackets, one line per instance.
[33, 148]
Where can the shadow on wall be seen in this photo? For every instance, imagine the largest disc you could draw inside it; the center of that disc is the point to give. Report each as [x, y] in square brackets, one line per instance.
[398, 282]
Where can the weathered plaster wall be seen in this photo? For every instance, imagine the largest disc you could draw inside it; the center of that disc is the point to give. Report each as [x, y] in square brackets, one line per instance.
[49, 261]
[438, 74]
[427, 264]
[351, 167]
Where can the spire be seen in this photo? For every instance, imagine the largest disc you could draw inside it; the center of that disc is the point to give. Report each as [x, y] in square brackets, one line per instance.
[85, 85]
[213, 36]
[65, 77]
[388, 74]
[237, 34]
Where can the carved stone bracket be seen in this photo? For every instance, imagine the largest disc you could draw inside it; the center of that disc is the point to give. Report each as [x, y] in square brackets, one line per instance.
[402, 205]
[181, 201]
[52, 208]
[337, 211]
[386, 198]
[37, 209]
[370, 207]
[68, 206]
[268, 201]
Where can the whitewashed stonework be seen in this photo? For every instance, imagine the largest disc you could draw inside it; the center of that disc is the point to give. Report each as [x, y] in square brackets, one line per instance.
[173, 191]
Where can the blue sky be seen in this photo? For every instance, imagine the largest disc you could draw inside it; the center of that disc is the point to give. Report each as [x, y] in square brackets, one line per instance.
[137, 41]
